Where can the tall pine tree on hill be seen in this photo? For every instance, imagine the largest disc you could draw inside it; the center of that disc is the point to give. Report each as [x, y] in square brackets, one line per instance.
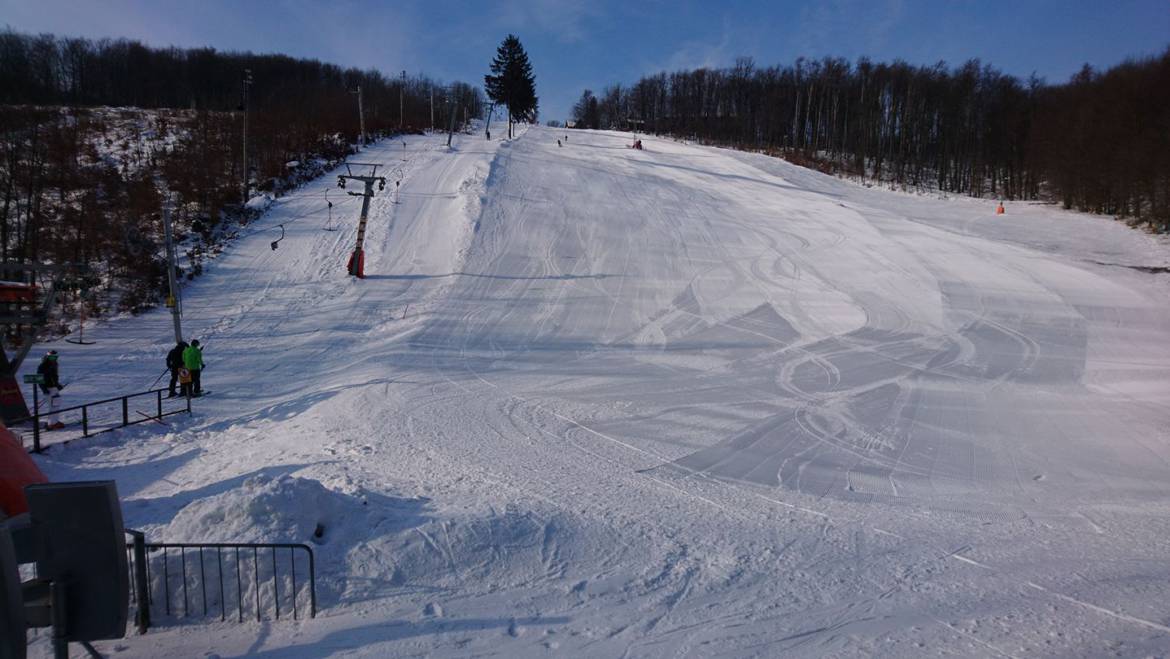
[511, 82]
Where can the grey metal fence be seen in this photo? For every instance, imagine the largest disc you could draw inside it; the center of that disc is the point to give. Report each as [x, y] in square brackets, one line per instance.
[112, 413]
[228, 579]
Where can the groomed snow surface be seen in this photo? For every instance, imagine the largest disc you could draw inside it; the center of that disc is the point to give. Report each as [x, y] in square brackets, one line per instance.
[593, 401]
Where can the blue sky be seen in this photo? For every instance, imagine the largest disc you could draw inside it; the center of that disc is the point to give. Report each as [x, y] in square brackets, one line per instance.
[577, 44]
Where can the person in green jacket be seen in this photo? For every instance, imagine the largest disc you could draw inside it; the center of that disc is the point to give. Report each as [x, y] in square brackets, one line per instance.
[193, 362]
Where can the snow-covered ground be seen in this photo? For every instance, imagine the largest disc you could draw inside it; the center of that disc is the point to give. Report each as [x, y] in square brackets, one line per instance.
[682, 401]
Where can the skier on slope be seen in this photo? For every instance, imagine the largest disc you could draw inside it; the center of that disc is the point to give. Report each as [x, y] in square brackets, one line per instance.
[174, 363]
[51, 387]
[193, 362]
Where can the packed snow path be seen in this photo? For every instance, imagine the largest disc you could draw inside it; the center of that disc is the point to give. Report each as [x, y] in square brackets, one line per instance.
[668, 402]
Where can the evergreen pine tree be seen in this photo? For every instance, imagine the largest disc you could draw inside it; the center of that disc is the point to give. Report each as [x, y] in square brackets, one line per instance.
[511, 82]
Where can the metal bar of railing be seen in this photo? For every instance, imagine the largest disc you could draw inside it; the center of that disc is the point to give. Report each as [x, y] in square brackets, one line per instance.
[130, 566]
[203, 581]
[239, 586]
[93, 403]
[166, 581]
[275, 586]
[222, 597]
[141, 581]
[142, 590]
[312, 583]
[183, 556]
[256, 574]
[36, 424]
[103, 401]
[292, 569]
[36, 415]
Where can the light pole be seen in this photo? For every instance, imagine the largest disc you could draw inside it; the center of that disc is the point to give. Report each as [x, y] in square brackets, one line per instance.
[361, 114]
[247, 83]
[451, 114]
[173, 298]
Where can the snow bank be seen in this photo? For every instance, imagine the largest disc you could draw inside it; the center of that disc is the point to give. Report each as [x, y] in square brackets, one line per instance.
[366, 541]
[259, 202]
[265, 509]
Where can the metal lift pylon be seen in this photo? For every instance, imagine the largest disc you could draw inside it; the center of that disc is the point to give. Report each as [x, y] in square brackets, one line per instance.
[357, 260]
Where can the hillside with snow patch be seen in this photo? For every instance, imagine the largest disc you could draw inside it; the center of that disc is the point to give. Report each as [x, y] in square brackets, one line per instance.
[680, 401]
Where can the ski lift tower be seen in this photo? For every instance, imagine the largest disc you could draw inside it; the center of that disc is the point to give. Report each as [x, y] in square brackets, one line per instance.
[24, 308]
[357, 260]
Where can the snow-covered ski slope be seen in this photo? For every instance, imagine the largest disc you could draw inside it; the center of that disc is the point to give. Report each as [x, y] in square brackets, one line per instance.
[676, 402]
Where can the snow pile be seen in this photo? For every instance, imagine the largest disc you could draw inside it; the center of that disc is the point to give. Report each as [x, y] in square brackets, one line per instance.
[259, 202]
[367, 541]
[264, 509]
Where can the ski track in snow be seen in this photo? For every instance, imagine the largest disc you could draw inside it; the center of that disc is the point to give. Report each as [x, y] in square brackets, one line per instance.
[680, 401]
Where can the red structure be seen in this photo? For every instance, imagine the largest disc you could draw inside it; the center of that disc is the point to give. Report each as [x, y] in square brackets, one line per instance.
[357, 260]
[13, 292]
[17, 470]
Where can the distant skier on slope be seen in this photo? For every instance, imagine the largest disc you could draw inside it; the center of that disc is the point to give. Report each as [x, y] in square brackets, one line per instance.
[174, 363]
[51, 387]
[193, 362]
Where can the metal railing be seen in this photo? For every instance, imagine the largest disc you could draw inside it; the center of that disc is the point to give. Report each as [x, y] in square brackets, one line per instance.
[112, 420]
[166, 575]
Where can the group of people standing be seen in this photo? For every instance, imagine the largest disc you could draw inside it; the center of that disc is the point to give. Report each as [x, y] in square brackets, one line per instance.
[184, 361]
[186, 365]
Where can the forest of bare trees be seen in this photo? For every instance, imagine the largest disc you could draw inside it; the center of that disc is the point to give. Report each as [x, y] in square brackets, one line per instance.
[93, 134]
[1099, 143]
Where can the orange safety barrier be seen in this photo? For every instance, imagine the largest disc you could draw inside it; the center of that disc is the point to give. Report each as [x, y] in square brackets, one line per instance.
[17, 470]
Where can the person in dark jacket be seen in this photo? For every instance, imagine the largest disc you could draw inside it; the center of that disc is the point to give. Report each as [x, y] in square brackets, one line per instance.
[48, 370]
[51, 387]
[193, 362]
[174, 363]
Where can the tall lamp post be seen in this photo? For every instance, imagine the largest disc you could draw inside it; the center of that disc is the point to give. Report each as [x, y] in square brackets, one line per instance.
[247, 83]
[361, 114]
